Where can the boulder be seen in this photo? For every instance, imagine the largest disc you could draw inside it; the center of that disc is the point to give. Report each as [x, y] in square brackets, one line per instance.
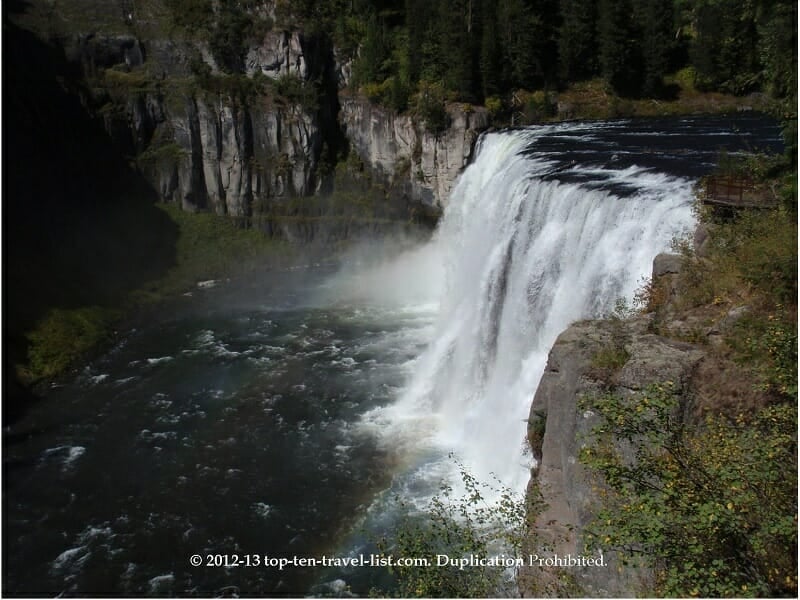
[665, 263]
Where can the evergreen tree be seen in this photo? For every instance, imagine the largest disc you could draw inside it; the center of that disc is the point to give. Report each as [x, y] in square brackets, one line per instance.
[546, 39]
[724, 51]
[619, 46]
[491, 59]
[777, 48]
[517, 30]
[455, 47]
[577, 42]
[655, 22]
[373, 53]
[417, 15]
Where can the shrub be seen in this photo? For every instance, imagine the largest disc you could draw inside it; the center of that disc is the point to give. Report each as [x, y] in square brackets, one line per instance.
[756, 249]
[65, 335]
[429, 105]
[459, 527]
[373, 91]
[297, 91]
[712, 508]
[538, 105]
[494, 105]
[769, 346]
[158, 154]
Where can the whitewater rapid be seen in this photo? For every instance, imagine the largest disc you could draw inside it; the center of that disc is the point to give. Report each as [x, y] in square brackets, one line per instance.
[283, 413]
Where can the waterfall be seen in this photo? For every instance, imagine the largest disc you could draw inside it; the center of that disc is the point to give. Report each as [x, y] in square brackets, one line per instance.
[524, 256]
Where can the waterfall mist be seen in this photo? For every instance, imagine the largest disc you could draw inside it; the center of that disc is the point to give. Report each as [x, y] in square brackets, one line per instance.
[523, 256]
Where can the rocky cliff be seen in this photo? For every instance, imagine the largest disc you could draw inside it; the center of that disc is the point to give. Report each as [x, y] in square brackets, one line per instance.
[402, 150]
[210, 140]
[243, 140]
[558, 428]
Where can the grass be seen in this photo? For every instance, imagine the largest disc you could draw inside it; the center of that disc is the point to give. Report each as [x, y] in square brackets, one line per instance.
[206, 247]
[743, 287]
[209, 246]
[593, 100]
[65, 335]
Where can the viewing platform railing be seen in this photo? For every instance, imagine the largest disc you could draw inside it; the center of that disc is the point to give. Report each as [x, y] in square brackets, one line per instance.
[736, 192]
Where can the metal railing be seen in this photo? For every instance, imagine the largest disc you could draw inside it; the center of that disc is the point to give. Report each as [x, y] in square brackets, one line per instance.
[736, 192]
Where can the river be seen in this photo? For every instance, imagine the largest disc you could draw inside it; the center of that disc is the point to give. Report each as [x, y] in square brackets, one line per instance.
[275, 416]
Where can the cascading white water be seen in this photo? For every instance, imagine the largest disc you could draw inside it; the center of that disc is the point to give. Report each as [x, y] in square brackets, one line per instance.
[525, 257]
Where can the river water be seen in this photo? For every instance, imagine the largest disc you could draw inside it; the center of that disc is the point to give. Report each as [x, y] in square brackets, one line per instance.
[275, 416]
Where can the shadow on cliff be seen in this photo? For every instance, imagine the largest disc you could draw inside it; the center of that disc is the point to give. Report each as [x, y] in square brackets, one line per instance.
[81, 229]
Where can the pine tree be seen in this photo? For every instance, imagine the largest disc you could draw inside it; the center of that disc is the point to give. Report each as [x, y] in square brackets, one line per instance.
[417, 13]
[456, 47]
[518, 27]
[724, 51]
[577, 41]
[619, 47]
[373, 53]
[777, 48]
[491, 59]
[655, 21]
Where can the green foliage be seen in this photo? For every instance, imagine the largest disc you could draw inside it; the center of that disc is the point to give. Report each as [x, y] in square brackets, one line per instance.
[724, 49]
[619, 46]
[208, 246]
[459, 527]
[191, 15]
[777, 48]
[520, 30]
[608, 360]
[537, 106]
[128, 82]
[391, 93]
[712, 508]
[227, 25]
[490, 59]
[577, 40]
[370, 66]
[685, 78]
[297, 91]
[478, 50]
[237, 86]
[228, 38]
[494, 105]
[429, 105]
[170, 153]
[65, 335]
[313, 16]
[655, 21]
[762, 248]
[769, 346]
[753, 254]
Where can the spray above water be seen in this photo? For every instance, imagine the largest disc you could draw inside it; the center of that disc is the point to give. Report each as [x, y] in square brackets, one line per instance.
[524, 255]
[394, 273]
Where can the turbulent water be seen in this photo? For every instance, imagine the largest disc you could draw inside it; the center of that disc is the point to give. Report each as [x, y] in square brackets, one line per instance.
[276, 416]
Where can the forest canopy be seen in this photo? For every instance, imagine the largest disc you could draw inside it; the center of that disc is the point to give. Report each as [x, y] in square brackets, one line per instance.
[478, 49]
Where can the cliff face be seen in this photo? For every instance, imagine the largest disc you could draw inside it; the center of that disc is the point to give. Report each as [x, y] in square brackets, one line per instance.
[401, 149]
[557, 430]
[224, 143]
[245, 144]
